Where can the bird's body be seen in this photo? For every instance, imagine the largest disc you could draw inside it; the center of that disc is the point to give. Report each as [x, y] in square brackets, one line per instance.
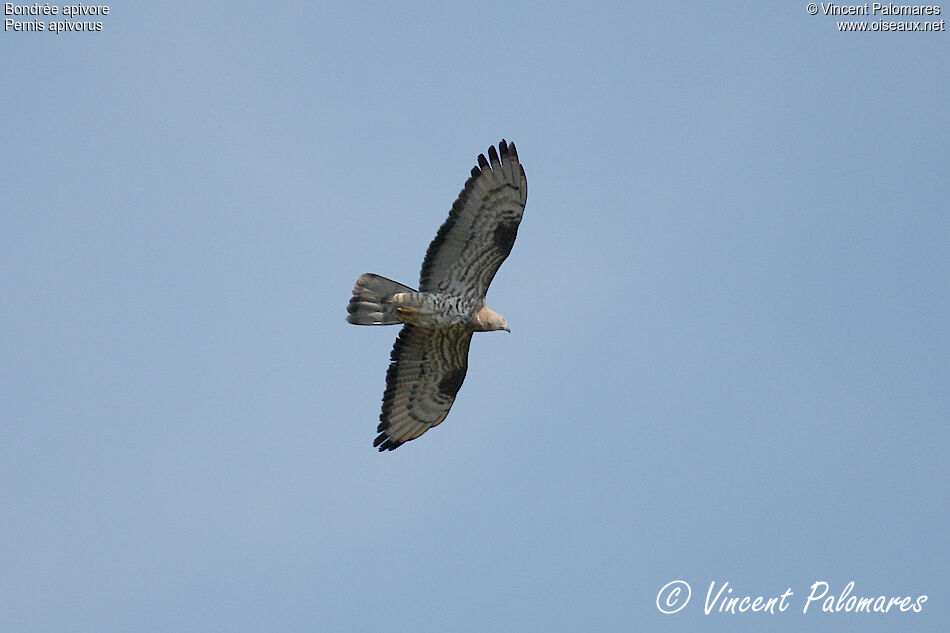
[430, 357]
[433, 309]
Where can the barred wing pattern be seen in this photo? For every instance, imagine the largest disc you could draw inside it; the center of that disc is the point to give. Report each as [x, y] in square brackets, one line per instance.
[481, 228]
[426, 371]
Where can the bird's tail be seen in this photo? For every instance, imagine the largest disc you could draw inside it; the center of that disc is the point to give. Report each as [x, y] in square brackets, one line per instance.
[370, 303]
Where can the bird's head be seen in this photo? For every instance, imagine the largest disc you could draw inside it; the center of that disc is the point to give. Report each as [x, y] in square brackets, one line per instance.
[490, 321]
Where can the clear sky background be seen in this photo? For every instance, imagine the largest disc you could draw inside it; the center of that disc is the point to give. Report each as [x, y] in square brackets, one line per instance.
[728, 299]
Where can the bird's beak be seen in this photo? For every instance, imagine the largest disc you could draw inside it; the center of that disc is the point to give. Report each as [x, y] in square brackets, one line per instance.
[507, 329]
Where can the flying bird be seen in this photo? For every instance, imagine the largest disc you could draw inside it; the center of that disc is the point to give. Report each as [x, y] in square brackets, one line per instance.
[430, 356]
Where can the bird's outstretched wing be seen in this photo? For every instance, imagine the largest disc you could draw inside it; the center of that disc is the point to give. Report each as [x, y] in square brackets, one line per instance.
[426, 371]
[478, 234]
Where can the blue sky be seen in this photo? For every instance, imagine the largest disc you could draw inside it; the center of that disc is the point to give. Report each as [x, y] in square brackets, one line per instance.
[728, 302]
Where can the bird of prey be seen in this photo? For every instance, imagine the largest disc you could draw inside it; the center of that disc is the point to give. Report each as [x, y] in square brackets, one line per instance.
[430, 356]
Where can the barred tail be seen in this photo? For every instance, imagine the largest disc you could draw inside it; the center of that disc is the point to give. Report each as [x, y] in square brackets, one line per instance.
[370, 305]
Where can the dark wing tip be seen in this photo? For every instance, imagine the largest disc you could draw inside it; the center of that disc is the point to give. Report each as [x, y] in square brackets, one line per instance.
[482, 161]
[493, 157]
[503, 149]
[385, 443]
